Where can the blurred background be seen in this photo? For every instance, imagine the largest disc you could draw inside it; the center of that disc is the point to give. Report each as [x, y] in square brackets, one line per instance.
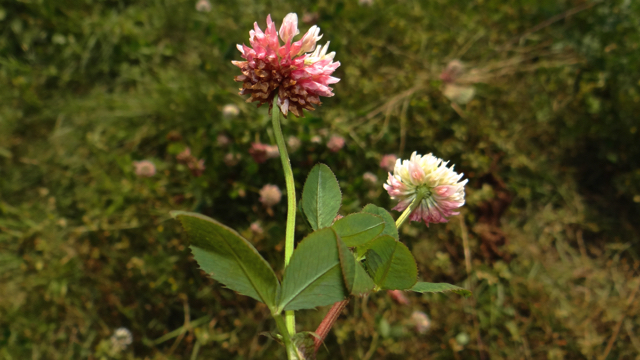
[114, 112]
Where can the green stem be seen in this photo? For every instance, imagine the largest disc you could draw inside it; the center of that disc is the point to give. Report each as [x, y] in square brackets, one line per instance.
[292, 352]
[291, 200]
[414, 204]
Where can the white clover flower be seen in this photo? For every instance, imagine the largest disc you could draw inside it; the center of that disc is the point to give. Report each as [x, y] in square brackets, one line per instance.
[120, 339]
[270, 195]
[370, 177]
[421, 321]
[335, 143]
[203, 6]
[144, 168]
[230, 111]
[388, 162]
[427, 177]
[293, 143]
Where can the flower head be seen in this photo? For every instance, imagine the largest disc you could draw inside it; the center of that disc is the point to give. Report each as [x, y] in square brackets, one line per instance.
[223, 140]
[261, 152]
[421, 321]
[370, 177]
[231, 159]
[230, 111]
[293, 143]
[144, 168]
[427, 177]
[388, 162]
[184, 156]
[335, 143]
[120, 339]
[256, 227]
[270, 195]
[196, 166]
[203, 6]
[298, 71]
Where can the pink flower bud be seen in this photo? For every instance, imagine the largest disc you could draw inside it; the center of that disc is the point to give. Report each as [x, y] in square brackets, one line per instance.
[399, 297]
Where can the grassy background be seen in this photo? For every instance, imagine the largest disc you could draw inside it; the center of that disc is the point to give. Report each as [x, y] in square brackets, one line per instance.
[549, 143]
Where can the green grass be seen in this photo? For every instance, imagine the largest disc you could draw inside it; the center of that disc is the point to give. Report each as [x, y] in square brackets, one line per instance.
[549, 144]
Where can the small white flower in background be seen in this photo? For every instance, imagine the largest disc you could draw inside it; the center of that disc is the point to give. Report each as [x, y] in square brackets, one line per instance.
[261, 152]
[231, 159]
[316, 139]
[120, 339]
[310, 18]
[144, 168]
[459, 94]
[335, 143]
[370, 177]
[203, 6]
[294, 143]
[388, 162]
[454, 69]
[456, 89]
[272, 151]
[429, 178]
[365, 2]
[184, 156]
[223, 140]
[421, 321]
[230, 111]
[197, 167]
[270, 195]
[256, 228]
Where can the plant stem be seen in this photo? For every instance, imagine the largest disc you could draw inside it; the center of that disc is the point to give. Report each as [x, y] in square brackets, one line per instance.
[292, 352]
[408, 211]
[328, 321]
[291, 200]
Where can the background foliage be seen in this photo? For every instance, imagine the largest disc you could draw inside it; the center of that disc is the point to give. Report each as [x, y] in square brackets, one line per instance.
[549, 144]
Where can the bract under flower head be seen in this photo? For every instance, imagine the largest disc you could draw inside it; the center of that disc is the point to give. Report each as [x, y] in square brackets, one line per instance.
[298, 71]
[429, 178]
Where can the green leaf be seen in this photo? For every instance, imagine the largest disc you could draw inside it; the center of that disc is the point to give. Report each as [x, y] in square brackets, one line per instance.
[391, 264]
[321, 197]
[313, 277]
[355, 278]
[228, 258]
[425, 287]
[390, 224]
[358, 229]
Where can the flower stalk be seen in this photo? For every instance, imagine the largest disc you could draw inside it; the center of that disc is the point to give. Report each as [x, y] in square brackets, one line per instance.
[291, 203]
[405, 214]
[292, 351]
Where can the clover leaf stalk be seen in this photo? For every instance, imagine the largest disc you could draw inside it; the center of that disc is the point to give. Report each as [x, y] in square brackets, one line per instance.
[291, 200]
